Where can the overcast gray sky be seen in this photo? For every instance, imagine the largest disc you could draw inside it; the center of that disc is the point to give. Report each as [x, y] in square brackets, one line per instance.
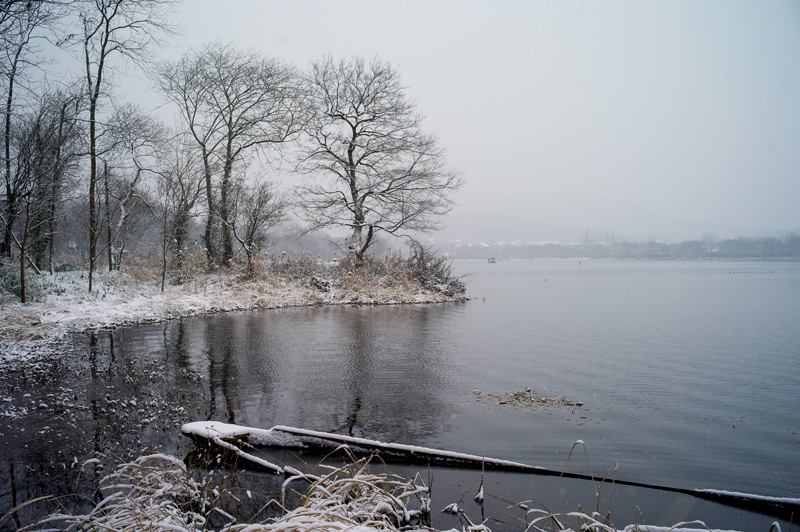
[569, 112]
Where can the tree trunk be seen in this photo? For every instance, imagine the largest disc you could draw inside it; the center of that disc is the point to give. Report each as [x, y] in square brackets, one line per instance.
[51, 217]
[22, 273]
[22, 245]
[225, 208]
[164, 243]
[55, 190]
[251, 268]
[209, 233]
[94, 97]
[227, 245]
[108, 219]
[92, 190]
[365, 244]
[180, 237]
[10, 218]
[10, 201]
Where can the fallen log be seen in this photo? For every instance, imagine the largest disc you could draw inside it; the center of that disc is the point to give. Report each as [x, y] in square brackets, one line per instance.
[231, 437]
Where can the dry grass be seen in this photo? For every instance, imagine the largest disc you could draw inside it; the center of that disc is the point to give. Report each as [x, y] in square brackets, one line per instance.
[157, 493]
[352, 498]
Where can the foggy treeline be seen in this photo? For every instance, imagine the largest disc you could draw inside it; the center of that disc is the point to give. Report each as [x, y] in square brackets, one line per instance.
[91, 181]
[709, 247]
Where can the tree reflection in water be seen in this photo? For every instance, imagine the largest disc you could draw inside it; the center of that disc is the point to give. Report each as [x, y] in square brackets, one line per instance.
[362, 371]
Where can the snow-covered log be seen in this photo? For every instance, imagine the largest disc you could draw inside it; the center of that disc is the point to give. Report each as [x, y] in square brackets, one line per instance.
[281, 436]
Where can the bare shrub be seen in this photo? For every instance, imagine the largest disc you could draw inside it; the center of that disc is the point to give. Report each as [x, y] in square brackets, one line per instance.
[192, 263]
[434, 271]
[142, 268]
[296, 268]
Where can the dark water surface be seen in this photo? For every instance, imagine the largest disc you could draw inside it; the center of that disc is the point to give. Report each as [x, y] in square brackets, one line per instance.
[688, 374]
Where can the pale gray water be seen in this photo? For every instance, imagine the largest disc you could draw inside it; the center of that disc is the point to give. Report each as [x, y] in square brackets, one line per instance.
[689, 373]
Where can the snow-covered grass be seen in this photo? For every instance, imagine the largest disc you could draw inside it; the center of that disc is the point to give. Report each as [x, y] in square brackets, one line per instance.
[119, 299]
[158, 493]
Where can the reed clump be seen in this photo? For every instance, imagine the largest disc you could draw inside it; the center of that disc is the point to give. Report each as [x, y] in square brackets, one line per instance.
[159, 493]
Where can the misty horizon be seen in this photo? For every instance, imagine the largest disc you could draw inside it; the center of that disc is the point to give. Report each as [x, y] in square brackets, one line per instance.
[666, 120]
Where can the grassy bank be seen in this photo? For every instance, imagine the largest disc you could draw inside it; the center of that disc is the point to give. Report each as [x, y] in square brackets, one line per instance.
[136, 294]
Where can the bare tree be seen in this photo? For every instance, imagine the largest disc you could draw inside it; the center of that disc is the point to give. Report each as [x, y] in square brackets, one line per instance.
[180, 184]
[60, 116]
[260, 208]
[371, 168]
[710, 241]
[44, 154]
[233, 103]
[111, 28]
[27, 146]
[132, 147]
[41, 158]
[20, 25]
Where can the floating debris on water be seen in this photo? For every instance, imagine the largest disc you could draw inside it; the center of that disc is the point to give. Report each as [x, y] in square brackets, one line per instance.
[525, 398]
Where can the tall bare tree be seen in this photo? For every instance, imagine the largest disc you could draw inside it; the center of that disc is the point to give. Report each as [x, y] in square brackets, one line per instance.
[27, 145]
[126, 28]
[179, 185]
[132, 147]
[371, 168]
[60, 112]
[45, 150]
[43, 154]
[21, 23]
[234, 103]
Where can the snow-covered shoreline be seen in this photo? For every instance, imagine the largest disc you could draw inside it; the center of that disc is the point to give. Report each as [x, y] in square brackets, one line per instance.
[119, 301]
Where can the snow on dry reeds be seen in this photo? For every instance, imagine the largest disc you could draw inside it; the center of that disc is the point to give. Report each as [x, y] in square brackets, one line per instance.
[157, 493]
[353, 498]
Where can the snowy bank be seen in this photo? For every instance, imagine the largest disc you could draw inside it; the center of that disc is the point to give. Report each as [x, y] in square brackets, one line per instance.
[118, 300]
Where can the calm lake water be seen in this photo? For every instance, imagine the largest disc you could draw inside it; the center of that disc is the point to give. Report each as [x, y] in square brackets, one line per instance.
[688, 374]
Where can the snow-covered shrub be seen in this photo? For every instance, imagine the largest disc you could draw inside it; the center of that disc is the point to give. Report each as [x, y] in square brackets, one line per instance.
[370, 276]
[10, 285]
[433, 271]
[116, 279]
[67, 266]
[154, 492]
[354, 498]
